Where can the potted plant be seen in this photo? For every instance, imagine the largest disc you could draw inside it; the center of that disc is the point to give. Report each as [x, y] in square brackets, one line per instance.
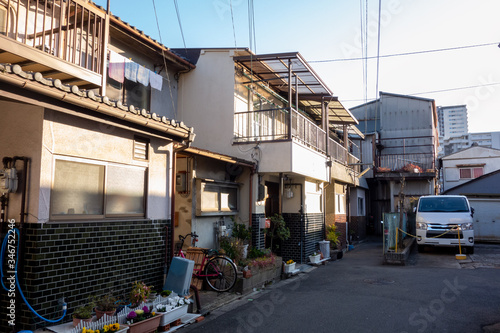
[83, 313]
[289, 266]
[315, 258]
[278, 229]
[165, 293]
[143, 320]
[174, 309]
[333, 235]
[105, 304]
[140, 292]
[244, 234]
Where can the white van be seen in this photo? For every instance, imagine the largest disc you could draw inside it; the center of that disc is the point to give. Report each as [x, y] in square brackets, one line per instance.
[438, 217]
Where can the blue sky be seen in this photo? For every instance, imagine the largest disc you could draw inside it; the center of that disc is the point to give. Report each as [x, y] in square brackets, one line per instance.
[330, 29]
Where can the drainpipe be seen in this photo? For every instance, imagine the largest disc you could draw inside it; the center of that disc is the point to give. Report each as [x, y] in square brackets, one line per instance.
[175, 151]
[20, 267]
[250, 200]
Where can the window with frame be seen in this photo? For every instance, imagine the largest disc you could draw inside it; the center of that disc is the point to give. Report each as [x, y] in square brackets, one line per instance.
[340, 206]
[471, 172]
[84, 189]
[361, 206]
[216, 198]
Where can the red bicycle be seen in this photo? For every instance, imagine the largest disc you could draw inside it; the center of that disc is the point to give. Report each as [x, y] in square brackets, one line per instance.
[218, 270]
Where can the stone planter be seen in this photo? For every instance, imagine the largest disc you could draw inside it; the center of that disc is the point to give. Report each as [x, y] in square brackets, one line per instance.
[289, 268]
[145, 326]
[315, 259]
[171, 316]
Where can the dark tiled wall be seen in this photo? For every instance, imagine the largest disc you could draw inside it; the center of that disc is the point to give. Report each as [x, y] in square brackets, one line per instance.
[79, 259]
[311, 228]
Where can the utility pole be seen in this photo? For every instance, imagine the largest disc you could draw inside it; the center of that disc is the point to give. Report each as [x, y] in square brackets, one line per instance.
[401, 208]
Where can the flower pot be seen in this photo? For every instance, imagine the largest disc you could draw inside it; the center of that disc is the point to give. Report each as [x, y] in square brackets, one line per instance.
[315, 259]
[145, 326]
[247, 274]
[77, 321]
[99, 313]
[171, 316]
[289, 268]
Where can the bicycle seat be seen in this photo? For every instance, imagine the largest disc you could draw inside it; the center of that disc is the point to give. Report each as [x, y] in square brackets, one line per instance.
[210, 252]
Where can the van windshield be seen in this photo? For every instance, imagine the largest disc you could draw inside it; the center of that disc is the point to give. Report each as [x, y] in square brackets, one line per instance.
[443, 204]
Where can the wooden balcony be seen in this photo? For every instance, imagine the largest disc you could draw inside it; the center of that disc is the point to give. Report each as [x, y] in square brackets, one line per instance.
[62, 39]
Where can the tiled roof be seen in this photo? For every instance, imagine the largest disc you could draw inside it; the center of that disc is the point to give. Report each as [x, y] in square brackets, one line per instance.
[95, 102]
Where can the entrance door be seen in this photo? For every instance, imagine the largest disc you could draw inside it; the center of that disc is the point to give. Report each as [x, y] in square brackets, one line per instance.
[273, 199]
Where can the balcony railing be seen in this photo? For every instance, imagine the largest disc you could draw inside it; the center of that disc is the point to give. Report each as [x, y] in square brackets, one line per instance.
[71, 30]
[272, 125]
[340, 155]
[423, 162]
[410, 154]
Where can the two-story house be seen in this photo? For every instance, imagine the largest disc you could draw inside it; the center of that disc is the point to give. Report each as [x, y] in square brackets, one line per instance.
[273, 110]
[401, 141]
[87, 104]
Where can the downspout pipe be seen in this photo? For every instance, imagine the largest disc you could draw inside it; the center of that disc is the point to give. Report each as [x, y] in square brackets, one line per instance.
[175, 151]
[21, 247]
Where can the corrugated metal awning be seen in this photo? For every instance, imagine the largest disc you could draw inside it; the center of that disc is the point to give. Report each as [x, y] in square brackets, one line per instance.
[312, 91]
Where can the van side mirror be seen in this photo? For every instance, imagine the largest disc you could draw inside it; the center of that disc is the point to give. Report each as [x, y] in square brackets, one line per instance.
[472, 212]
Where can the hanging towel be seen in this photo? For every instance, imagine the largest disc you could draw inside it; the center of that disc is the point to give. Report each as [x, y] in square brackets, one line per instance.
[143, 76]
[131, 70]
[116, 68]
[155, 80]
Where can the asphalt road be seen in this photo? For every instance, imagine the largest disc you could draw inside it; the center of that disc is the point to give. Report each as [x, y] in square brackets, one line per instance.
[434, 293]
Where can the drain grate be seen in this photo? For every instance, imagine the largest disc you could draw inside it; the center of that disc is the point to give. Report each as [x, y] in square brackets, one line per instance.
[379, 281]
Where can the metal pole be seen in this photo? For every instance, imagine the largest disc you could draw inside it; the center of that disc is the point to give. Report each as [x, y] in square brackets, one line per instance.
[290, 99]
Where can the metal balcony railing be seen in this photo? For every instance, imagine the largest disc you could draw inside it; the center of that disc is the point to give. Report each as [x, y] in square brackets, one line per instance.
[71, 30]
[409, 154]
[273, 125]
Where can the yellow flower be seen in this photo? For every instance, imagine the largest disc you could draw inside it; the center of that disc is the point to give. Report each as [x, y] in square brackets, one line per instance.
[153, 313]
[97, 331]
[84, 330]
[105, 328]
[115, 327]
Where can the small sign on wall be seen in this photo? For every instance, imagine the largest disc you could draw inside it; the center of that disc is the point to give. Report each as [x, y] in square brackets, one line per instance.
[264, 223]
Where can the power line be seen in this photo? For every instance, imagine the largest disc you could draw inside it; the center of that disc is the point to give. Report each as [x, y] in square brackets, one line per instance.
[435, 91]
[378, 56]
[407, 53]
[232, 20]
[180, 24]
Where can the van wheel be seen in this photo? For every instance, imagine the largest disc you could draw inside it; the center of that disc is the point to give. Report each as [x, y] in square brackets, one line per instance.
[421, 248]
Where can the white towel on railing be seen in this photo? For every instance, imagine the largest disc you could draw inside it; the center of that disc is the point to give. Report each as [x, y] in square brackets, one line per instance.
[116, 68]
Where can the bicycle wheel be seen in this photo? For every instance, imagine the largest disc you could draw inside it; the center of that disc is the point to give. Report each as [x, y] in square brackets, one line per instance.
[220, 274]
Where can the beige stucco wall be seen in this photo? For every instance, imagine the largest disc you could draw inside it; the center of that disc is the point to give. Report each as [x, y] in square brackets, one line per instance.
[185, 203]
[206, 102]
[66, 135]
[21, 135]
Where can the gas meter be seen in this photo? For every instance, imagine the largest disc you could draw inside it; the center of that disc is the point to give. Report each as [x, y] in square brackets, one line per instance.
[8, 180]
